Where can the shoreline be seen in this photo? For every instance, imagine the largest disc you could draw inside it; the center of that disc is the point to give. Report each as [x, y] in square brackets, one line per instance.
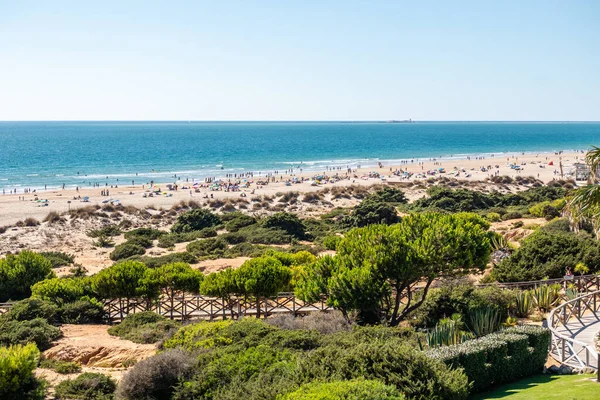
[291, 168]
[17, 207]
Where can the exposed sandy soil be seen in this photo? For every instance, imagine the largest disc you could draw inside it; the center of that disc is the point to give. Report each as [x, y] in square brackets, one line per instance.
[92, 346]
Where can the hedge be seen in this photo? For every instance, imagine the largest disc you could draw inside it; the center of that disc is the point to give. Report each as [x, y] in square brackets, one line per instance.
[498, 358]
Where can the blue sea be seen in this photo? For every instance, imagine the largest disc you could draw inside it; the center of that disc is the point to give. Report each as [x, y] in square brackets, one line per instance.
[34, 154]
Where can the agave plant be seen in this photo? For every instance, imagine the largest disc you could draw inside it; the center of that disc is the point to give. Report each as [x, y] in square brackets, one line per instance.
[571, 292]
[484, 321]
[500, 248]
[523, 303]
[546, 296]
[447, 332]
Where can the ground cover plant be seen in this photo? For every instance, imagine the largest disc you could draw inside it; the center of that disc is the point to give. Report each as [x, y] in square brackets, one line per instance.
[358, 389]
[144, 327]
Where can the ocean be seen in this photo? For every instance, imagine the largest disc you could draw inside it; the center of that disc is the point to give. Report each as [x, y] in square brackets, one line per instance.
[34, 154]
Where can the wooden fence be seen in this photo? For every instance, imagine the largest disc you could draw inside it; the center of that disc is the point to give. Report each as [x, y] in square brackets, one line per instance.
[187, 307]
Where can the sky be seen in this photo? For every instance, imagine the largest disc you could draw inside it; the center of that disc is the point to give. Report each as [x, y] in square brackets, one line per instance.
[300, 60]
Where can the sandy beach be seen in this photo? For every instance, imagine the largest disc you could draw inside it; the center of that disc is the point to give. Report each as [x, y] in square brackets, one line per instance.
[17, 207]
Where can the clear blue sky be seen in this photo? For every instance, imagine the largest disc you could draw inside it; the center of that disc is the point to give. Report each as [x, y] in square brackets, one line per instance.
[299, 60]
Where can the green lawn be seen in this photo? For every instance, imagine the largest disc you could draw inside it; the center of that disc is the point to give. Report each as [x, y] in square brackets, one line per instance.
[566, 387]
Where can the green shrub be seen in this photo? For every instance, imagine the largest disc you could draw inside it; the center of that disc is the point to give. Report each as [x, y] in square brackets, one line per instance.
[106, 231]
[390, 362]
[231, 374]
[261, 277]
[19, 272]
[171, 239]
[498, 358]
[126, 250]
[259, 235]
[122, 280]
[195, 220]
[207, 247]
[17, 380]
[371, 211]
[59, 366]
[155, 378]
[87, 386]
[560, 225]
[331, 242]
[148, 233]
[241, 250]
[60, 290]
[37, 331]
[287, 222]
[303, 257]
[462, 298]
[58, 258]
[144, 327]
[358, 389]
[537, 209]
[32, 308]
[138, 240]
[292, 339]
[512, 215]
[461, 200]
[493, 217]
[236, 220]
[204, 335]
[155, 262]
[203, 233]
[546, 209]
[390, 195]
[546, 254]
[235, 237]
[83, 311]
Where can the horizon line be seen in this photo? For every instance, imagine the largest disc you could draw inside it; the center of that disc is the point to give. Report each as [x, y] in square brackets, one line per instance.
[390, 121]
